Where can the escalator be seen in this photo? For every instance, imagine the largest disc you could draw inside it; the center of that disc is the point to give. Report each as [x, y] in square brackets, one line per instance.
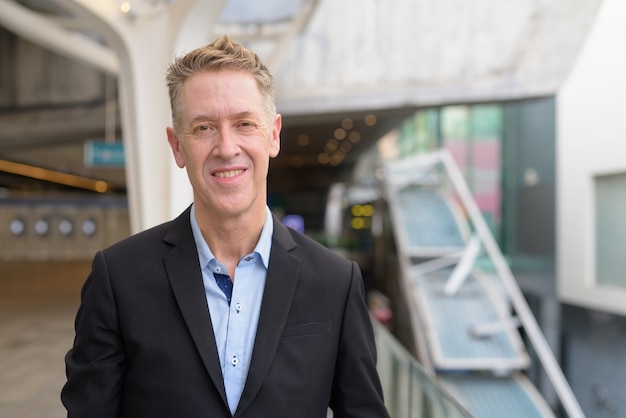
[466, 312]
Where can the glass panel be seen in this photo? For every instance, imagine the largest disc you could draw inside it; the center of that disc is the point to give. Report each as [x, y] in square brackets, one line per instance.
[473, 135]
[409, 391]
[527, 231]
[429, 219]
[454, 131]
[427, 130]
[254, 11]
[486, 140]
[611, 230]
[407, 136]
[419, 133]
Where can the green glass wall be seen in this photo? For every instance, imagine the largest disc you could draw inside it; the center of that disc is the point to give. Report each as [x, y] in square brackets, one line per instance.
[506, 151]
[473, 134]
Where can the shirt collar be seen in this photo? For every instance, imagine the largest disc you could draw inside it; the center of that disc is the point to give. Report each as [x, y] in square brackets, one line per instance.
[263, 246]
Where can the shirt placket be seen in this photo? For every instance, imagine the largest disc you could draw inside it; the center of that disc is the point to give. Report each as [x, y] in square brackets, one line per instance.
[234, 371]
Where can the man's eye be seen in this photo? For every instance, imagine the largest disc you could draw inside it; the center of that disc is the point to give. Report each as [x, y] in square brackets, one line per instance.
[246, 125]
[202, 130]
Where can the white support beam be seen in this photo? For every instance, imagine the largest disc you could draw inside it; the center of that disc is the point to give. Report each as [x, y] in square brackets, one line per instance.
[51, 35]
[143, 101]
[295, 27]
[464, 267]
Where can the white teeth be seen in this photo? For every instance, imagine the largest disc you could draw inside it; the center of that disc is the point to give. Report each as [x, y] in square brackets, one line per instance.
[226, 174]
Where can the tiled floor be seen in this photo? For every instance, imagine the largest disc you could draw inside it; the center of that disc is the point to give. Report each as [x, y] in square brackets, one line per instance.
[38, 302]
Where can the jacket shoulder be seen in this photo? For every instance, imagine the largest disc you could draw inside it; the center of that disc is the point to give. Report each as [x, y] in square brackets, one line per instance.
[311, 252]
[155, 238]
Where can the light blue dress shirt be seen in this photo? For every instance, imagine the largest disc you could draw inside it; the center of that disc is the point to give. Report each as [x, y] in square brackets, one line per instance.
[235, 325]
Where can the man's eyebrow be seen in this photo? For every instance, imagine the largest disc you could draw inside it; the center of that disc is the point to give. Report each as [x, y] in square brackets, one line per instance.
[245, 114]
[201, 118]
[240, 115]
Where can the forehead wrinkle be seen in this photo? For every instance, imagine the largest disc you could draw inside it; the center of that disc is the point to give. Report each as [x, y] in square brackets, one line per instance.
[244, 114]
[224, 100]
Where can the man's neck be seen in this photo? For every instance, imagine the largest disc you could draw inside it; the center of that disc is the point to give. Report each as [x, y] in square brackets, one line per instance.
[231, 238]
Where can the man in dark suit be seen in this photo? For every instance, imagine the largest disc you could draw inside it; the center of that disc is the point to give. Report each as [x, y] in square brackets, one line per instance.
[223, 311]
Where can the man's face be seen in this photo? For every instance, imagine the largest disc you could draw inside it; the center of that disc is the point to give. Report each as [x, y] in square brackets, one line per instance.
[225, 141]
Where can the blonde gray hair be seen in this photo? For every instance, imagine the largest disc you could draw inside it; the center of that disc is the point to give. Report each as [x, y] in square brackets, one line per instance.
[222, 54]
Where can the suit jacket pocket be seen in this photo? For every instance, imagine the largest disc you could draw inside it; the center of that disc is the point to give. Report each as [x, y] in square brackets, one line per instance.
[307, 328]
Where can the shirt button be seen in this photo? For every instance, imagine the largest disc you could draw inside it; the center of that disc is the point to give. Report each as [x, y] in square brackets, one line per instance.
[234, 361]
[238, 307]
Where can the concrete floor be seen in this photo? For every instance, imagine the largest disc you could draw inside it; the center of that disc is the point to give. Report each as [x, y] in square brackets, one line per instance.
[38, 302]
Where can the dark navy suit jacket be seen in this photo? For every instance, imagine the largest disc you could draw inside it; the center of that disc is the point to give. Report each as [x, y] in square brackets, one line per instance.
[145, 346]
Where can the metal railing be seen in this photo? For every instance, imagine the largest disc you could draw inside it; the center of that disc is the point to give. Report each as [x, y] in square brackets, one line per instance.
[410, 392]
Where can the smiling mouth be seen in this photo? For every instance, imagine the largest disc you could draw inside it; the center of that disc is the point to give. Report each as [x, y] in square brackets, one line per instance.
[228, 174]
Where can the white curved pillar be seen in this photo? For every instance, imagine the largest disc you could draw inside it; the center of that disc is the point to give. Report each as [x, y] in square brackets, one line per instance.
[145, 45]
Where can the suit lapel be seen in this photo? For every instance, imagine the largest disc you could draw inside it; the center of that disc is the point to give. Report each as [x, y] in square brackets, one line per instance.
[280, 286]
[183, 271]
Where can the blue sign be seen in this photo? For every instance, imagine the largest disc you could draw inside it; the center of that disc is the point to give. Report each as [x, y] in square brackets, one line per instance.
[104, 154]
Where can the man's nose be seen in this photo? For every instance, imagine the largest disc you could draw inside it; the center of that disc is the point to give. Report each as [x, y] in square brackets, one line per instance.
[227, 146]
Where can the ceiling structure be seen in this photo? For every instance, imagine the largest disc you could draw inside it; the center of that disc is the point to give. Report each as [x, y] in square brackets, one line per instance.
[325, 148]
[316, 150]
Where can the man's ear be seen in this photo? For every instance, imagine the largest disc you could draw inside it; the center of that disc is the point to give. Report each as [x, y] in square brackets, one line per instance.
[275, 140]
[172, 138]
